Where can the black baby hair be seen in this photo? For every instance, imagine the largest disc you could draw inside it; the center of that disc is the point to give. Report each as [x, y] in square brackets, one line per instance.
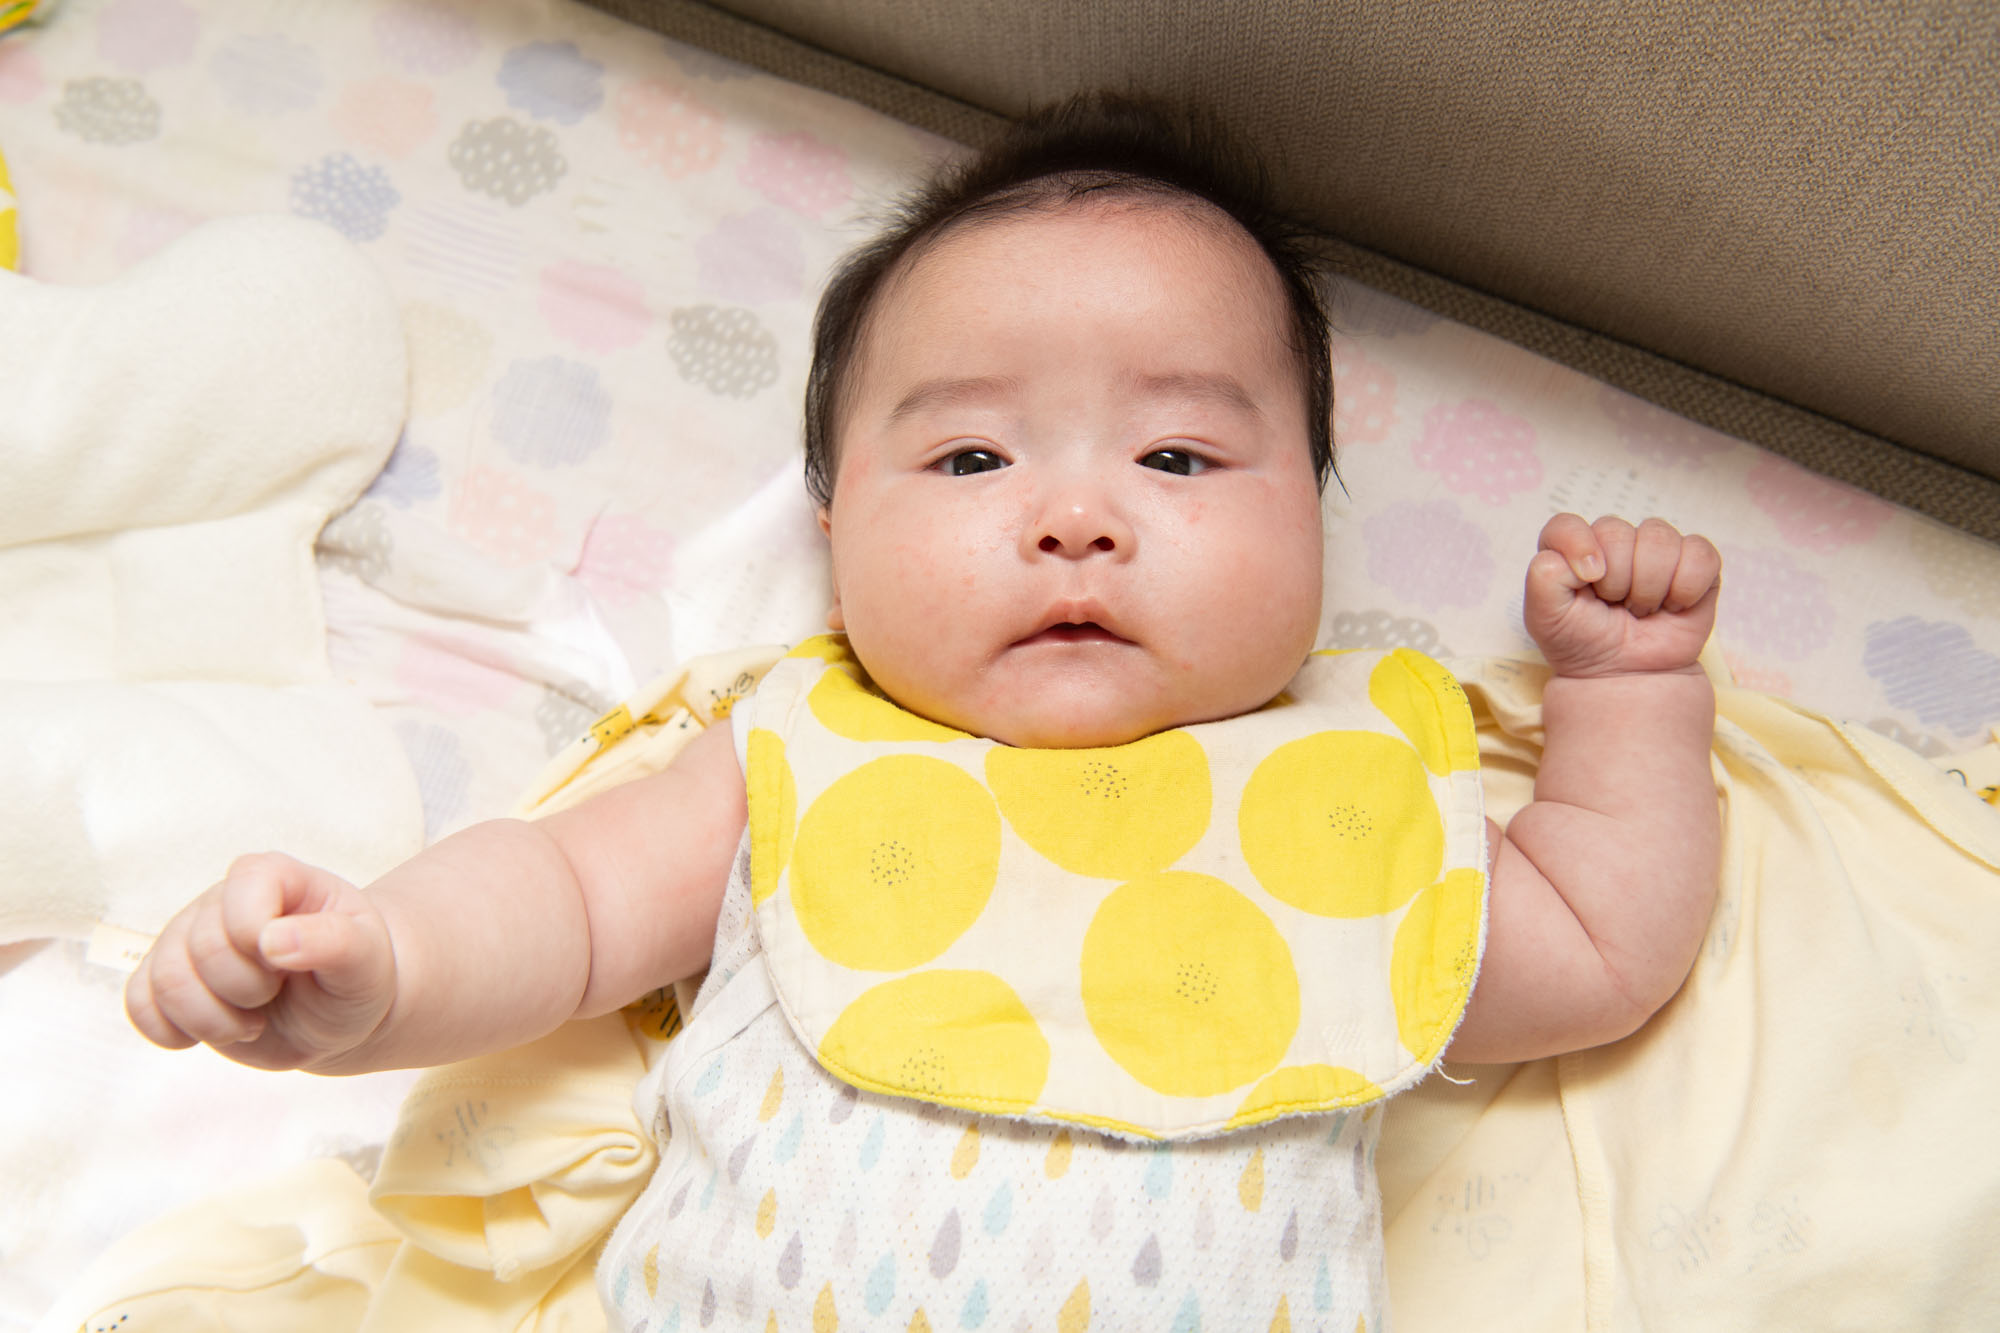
[1091, 144]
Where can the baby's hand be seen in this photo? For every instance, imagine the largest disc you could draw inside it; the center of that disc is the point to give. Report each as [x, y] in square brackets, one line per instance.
[279, 966]
[1609, 599]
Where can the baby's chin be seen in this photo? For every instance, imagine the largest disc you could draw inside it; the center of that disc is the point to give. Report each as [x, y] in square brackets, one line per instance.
[1039, 735]
[1052, 702]
[1055, 724]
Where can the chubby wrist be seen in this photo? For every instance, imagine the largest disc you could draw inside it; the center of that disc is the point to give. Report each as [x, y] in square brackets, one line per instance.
[1627, 695]
[1671, 677]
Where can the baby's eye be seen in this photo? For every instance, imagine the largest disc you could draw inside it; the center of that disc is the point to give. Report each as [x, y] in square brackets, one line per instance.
[1177, 461]
[968, 461]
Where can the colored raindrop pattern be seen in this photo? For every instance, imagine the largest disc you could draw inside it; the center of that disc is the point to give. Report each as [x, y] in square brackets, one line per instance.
[788, 1142]
[944, 1250]
[1146, 1268]
[999, 1210]
[740, 1158]
[973, 1313]
[881, 1288]
[871, 1147]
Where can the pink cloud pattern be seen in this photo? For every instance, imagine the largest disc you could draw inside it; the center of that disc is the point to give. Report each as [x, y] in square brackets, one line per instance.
[1812, 511]
[666, 129]
[595, 306]
[624, 558]
[798, 172]
[1657, 435]
[505, 517]
[1479, 450]
[1364, 398]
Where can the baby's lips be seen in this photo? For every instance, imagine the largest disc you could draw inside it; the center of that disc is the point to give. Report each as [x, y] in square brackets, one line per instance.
[1075, 632]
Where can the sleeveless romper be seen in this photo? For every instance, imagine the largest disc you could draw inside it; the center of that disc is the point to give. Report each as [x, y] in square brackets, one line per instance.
[1005, 1038]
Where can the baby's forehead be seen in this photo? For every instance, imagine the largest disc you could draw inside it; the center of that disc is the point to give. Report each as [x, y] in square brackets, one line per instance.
[1207, 234]
[1198, 246]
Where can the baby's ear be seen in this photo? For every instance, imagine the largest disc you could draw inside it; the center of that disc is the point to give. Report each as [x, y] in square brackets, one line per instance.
[834, 620]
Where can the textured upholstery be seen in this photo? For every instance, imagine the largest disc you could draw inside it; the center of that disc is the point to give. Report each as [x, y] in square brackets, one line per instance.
[1688, 199]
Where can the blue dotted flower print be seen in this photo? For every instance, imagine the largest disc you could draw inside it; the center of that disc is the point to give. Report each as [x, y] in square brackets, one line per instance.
[553, 81]
[410, 475]
[551, 411]
[340, 191]
[1934, 669]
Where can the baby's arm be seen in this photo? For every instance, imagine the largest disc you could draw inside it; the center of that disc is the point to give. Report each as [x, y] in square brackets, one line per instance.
[492, 937]
[1602, 886]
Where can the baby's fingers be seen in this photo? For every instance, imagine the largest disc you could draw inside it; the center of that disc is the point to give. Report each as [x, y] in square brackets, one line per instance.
[1619, 541]
[173, 1004]
[1656, 553]
[348, 955]
[1575, 541]
[145, 1013]
[1697, 575]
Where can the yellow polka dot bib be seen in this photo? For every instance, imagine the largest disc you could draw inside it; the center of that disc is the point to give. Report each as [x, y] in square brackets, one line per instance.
[1201, 930]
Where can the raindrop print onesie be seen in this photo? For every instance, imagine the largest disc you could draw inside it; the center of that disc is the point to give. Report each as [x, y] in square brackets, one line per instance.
[999, 1037]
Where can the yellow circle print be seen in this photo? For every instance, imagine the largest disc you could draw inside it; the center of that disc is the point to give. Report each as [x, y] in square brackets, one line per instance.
[848, 709]
[1114, 813]
[1435, 956]
[894, 861]
[1304, 1088]
[1188, 985]
[959, 1037]
[826, 647]
[1429, 707]
[774, 805]
[1342, 824]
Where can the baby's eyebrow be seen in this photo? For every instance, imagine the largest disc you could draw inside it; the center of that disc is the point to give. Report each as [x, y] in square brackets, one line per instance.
[1211, 385]
[950, 392]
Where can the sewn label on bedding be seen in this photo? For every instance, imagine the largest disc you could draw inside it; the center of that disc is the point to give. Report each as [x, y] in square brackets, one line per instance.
[115, 946]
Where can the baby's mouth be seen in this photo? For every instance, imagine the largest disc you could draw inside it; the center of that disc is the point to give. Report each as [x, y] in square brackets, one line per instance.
[1067, 631]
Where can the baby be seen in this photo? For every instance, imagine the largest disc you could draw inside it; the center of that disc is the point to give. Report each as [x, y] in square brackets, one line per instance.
[1068, 426]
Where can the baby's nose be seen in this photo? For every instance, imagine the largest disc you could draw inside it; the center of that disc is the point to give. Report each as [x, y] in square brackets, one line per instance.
[1075, 528]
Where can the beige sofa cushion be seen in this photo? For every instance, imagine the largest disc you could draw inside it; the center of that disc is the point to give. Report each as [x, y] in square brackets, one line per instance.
[1793, 197]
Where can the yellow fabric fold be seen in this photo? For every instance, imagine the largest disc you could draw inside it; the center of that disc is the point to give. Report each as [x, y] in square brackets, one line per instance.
[504, 1174]
[1796, 1140]
[511, 1162]
[302, 1250]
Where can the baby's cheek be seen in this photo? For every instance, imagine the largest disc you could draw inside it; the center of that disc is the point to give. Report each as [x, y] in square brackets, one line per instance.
[1268, 597]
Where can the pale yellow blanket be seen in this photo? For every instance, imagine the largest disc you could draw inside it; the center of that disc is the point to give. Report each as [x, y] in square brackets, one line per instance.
[1801, 1140]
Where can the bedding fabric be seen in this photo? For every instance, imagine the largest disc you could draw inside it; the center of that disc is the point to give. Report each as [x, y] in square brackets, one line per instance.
[603, 248]
[172, 445]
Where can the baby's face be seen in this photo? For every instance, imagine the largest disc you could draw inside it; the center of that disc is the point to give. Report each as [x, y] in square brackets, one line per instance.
[1075, 502]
